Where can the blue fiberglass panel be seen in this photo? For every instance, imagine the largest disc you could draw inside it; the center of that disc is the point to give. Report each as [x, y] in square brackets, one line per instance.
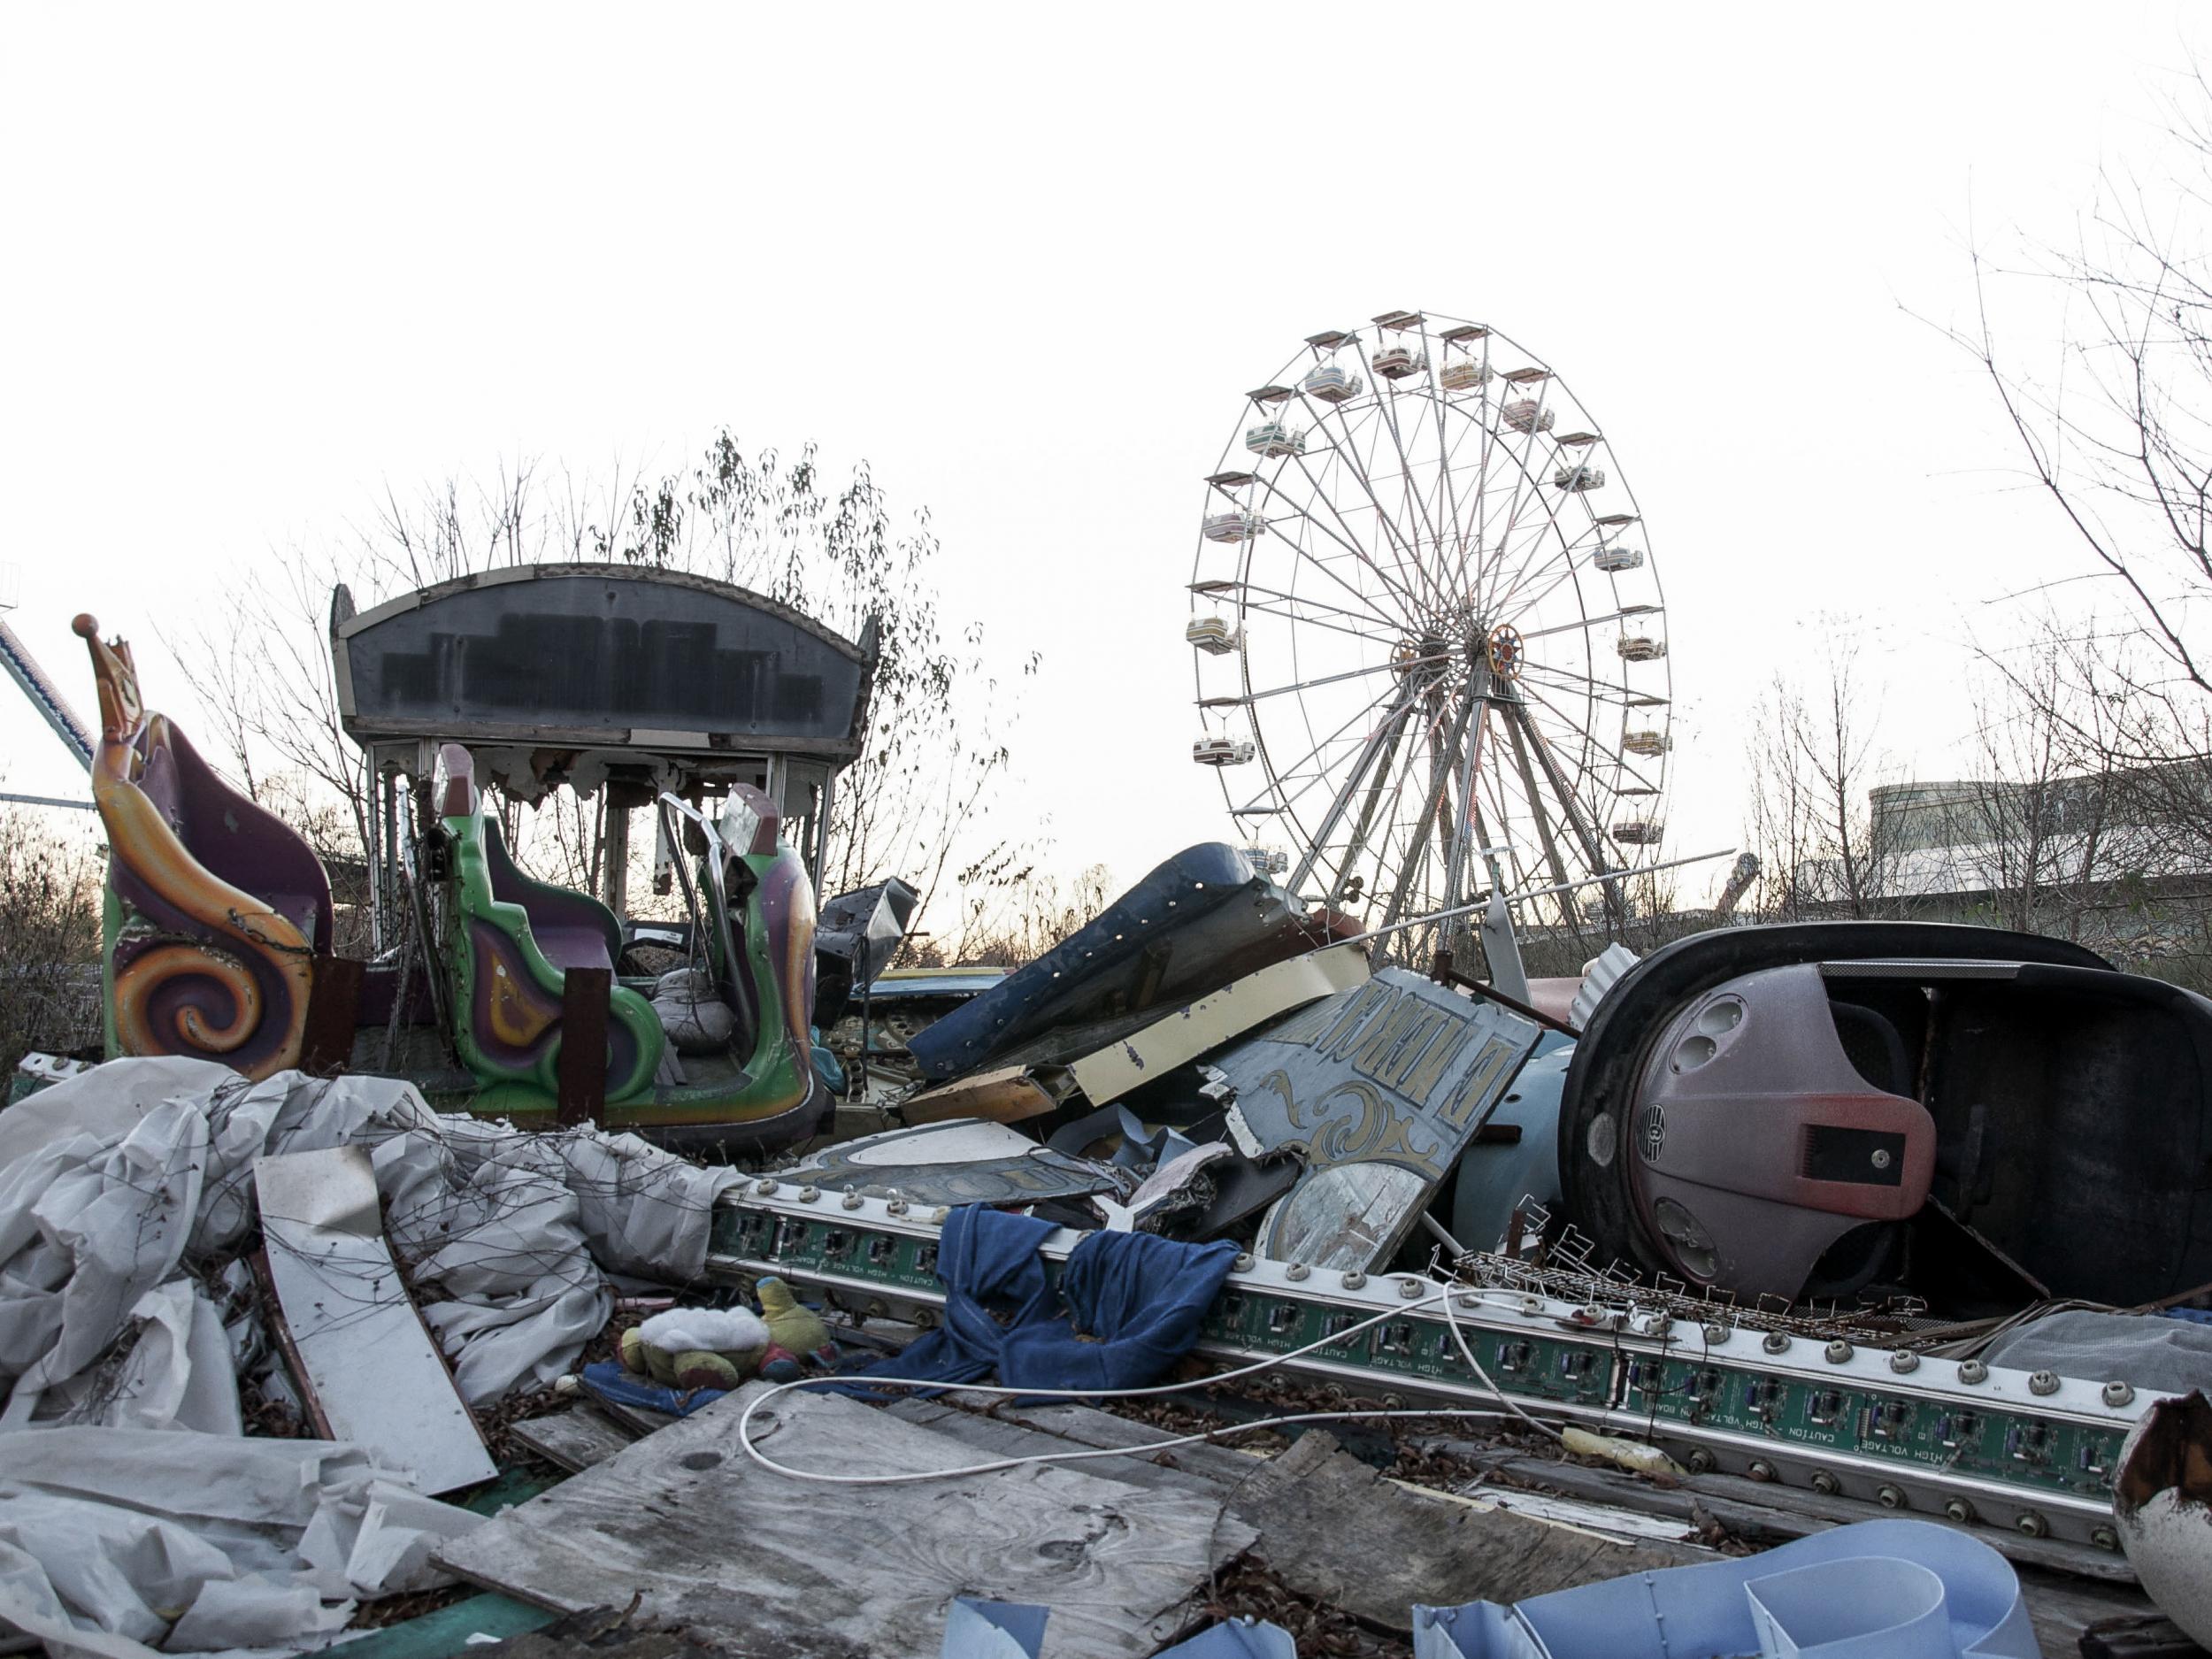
[1105, 961]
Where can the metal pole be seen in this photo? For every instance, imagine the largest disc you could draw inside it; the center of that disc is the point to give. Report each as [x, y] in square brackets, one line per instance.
[1538, 893]
[373, 855]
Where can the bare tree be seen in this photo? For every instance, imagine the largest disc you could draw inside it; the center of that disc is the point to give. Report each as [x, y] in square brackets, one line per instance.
[913, 803]
[2117, 430]
[1023, 914]
[1813, 760]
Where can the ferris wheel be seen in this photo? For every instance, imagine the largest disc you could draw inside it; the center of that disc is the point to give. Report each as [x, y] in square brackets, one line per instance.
[1430, 638]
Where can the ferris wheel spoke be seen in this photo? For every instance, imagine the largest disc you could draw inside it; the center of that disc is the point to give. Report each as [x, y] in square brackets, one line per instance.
[1395, 635]
[1587, 623]
[1360, 470]
[1352, 550]
[1564, 559]
[1524, 484]
[1638, 781]
[1567, 680]
[1448, 497]
[1582, 823]
[1405, 468]
[1382, 740]
[1349, 673]
[1285, 802]
[1393, 627]
[1405, 595]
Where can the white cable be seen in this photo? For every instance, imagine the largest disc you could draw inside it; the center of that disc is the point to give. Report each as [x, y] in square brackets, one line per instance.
[1441, 1298]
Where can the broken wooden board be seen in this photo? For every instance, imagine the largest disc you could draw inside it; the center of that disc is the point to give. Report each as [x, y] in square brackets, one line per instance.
[573, 1440]
[361, 1350]
[1004, 1096]
[1180, 1037]
[706, 1538]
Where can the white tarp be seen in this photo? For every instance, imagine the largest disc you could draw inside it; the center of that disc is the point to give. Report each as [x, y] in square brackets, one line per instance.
[125, 1180]
[115, 1541]
[122, 1191]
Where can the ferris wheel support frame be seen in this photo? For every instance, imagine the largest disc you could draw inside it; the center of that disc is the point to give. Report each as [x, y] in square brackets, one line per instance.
[1616, 910]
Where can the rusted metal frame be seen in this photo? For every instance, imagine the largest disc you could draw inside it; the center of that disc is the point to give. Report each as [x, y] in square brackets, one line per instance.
[1443, 972]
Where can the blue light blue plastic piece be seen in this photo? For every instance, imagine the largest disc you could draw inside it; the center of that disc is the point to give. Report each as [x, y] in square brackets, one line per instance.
[1879, 1590]
[1236, 1639]
[1494, 1176]
[993, 1629]
[1015, 1630]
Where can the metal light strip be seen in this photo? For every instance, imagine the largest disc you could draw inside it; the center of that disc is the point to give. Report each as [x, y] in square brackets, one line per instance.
[2031, 1452]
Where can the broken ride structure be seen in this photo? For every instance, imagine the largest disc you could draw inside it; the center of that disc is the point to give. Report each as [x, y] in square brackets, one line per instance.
[723, 715]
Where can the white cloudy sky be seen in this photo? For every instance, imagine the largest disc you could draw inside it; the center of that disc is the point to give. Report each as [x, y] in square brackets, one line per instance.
[259, 264]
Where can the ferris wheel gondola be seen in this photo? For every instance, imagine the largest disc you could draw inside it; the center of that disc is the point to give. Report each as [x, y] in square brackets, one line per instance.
[1449, 662]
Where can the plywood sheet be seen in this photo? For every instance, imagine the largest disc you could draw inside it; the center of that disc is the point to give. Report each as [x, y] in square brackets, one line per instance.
[573, 1440]
[706, 1538]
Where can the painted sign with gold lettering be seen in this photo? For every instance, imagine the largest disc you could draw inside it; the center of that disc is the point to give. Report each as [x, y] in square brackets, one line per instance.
[1398, 1072]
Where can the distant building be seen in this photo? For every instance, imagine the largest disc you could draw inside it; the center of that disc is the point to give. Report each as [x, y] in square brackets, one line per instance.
[2121, 861]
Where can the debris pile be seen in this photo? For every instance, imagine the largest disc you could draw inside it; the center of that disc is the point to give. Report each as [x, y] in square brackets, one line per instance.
[1105, 1286]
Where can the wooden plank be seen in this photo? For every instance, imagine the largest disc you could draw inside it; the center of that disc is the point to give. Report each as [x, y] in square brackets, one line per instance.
[574, 1439]
[1004, 1096]
[1183, 1035]
[2061, 1608]
[705, 1537]
[582, 1071]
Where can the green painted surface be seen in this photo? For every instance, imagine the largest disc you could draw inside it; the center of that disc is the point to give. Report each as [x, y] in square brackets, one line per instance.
[445, 1633]
[473, 903]
[509, 1487]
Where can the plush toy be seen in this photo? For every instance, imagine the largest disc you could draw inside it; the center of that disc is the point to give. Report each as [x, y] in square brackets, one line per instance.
[793, 1326]
[697, 1347]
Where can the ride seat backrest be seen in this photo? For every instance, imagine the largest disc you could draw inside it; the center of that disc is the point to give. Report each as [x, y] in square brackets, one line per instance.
[234, 839]
[571, 929]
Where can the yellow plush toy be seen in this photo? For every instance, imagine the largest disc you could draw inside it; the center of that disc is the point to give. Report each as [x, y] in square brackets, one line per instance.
[792, 1326]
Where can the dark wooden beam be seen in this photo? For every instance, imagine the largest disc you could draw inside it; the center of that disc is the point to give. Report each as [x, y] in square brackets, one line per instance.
[583, 1066]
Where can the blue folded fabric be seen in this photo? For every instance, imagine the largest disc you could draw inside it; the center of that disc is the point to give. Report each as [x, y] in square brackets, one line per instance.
[1138, 1301]
[611, 1381]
